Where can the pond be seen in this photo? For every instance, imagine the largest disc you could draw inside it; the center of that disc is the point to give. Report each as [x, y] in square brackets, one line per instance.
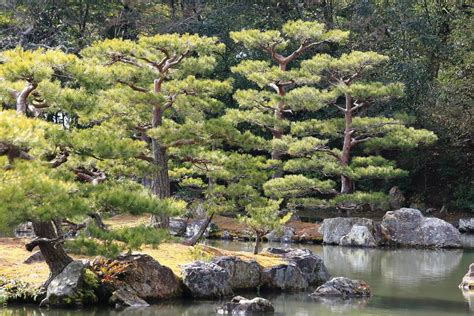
[403, 281]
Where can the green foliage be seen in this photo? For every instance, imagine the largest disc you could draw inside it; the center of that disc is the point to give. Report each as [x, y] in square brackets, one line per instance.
[264, 218]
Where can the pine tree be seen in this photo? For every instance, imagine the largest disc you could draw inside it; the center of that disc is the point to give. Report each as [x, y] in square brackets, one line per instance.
[158, 93]
[56, 168]
[347, 78]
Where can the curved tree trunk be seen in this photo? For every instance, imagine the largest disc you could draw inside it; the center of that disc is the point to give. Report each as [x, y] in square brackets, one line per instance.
[51, 248]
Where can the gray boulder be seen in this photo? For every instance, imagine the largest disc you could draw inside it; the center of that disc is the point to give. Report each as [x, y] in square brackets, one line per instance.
[343, 287]
[359, 236]
[408, 227]
[466, 225]
[241, 306]
[243, 274]
[206, 280]
[285, 235]
[341, 228]
[67, 288]
[311, 265]
[284, 277]
[177, 226]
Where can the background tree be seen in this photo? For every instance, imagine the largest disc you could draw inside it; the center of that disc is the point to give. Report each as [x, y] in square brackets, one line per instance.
[348, 79]
[158, 94]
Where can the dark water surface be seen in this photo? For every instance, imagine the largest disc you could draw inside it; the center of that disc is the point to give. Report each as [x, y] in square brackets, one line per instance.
[403, 281]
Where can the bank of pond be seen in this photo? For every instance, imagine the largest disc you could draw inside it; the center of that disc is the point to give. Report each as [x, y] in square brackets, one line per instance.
[222, 276]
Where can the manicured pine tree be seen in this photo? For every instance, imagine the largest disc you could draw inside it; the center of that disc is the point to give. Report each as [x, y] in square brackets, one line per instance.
[158, 93]
[348, 79]
[54, 168]
[285, 88]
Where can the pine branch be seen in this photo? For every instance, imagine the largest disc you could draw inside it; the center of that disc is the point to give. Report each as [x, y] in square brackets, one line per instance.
[132, 86]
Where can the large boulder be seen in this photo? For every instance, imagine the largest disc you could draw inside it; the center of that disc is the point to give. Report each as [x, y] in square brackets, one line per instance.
[340, 229]
[205, 280]
[311, 265]
[241, 306]
[284, 277]
[343, 287]
[69, 287]
[244, 275]
[408, 227]
[466, 225]
[359, 236]
[138, 274]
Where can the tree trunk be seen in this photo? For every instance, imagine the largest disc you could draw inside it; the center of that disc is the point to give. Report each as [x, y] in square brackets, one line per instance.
[346, 182]
[193, 240]
[54, 254]
[276, 133]
[256, 248]
[160, 179]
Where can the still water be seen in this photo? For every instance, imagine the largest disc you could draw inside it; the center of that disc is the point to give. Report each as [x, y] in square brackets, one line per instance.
[403, 281]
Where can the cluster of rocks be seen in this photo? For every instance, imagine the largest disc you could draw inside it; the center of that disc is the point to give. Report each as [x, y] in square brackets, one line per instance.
[224, 275]
[138, 279]
[405, 227]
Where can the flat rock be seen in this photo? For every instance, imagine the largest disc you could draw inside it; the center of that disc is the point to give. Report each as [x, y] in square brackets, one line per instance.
[343, 287]
[242, 306]
[124, 297]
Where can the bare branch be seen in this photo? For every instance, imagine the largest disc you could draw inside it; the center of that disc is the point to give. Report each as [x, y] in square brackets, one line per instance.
[132, 86]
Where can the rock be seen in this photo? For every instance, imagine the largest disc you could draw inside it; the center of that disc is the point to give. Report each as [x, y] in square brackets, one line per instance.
[284, 277]
[177, 226]
[408, 227]
[359, 236]
[140, 274]
[343, 287]
[467, 282]
[396, 198]
[24, 230]
[125, 298]
[226, 235]
[67, 288]
[284, 236]
[36, 257]
[312, 267]
[335, 230]
[206, 280]
[466, 225]
[310, 264]
[240, 306]
[243, 274]
[193, 228]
